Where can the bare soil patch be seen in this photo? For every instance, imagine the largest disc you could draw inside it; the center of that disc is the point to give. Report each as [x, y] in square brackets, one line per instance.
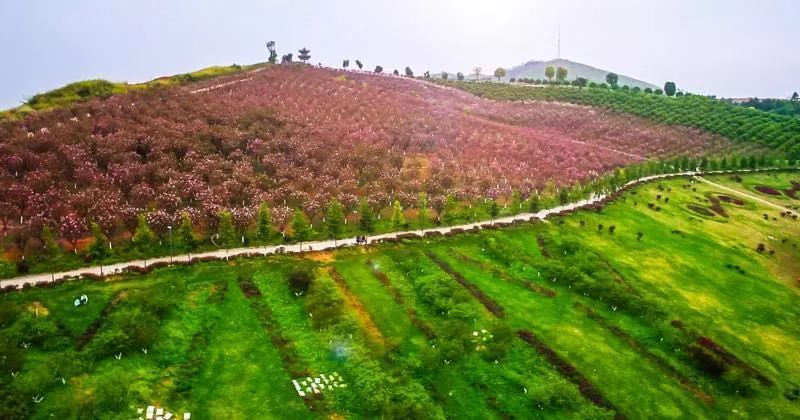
[792, 192]
[717, 207]
[700, 210]
[730, 200]
[763, 189]
[321, 256]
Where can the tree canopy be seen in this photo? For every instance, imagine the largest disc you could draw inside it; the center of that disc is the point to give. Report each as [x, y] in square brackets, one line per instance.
[669, 88]
[612, 79]
[549, 72]
[561, 73]
[334, 219]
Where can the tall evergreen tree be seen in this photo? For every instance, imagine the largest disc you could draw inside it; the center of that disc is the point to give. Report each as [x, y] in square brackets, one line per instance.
[398, 219]
[494, 210]
[264, 222]
[516, 201]
[144, 238]
[534, 205]
[301, 227]
[225, 231]
[563, 195]
[450, 210]
[186, 238]
[366, 217]
[98, 249]
[334, 220]
[422, 209]
[49, 240]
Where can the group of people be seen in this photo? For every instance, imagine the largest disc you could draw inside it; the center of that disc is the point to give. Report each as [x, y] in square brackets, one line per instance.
[361, 240]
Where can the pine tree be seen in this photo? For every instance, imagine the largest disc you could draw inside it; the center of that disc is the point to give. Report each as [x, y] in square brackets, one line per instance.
[516, 201]
[398, 219]
[49, 240]
[563, 196]
[422, 209]
[334, 220]
[534, 205]
[494, 210]
[98, 249]
[225, 230]
[186, 239]
[301, 227]
[450, 210]
[366, 219]
[264, 222]
[144, 238]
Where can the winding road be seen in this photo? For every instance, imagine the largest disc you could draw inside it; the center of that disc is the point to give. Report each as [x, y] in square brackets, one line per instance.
[330, 244]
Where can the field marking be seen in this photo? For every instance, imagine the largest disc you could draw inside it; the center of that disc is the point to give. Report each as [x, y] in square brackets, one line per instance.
[346, 242]
[744, 194]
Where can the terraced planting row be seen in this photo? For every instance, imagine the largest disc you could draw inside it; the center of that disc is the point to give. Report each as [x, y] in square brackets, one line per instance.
[626, 312]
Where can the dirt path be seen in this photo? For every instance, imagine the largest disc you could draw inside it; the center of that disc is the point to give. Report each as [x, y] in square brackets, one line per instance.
[744, 194]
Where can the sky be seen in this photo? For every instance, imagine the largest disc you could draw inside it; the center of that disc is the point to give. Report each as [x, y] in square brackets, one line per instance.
[730, 48]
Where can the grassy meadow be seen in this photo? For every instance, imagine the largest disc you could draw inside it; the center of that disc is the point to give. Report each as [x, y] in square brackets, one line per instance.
[671, 302]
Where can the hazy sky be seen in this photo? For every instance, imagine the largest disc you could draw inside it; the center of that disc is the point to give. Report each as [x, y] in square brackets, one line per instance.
[726, 47]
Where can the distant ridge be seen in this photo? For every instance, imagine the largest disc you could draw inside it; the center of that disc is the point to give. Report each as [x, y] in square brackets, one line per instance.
[535, 70]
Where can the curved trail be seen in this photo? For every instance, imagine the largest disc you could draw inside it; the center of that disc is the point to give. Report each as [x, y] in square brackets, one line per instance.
[330, 244]
[744, 194]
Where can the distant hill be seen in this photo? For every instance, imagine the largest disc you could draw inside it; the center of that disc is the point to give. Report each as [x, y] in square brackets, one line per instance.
[535, 70]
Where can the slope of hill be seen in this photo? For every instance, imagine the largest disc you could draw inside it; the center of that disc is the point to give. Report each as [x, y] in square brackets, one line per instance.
[778, 132]
[535, 70]
[98, 88]
[298, 137]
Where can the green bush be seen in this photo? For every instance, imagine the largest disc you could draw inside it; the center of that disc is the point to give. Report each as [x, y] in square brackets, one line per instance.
[75, 92]
[324, 303]
[300, 280]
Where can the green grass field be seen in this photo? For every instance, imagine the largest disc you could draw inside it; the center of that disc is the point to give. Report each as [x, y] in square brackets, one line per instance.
[670, 302]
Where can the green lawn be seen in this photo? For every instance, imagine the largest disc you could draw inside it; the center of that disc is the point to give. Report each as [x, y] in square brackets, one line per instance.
[667, 303]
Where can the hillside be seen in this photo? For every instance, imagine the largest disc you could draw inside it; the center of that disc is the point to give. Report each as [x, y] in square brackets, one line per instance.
[297, 137]
[535, 70]
[88, 89]
[777, 132]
